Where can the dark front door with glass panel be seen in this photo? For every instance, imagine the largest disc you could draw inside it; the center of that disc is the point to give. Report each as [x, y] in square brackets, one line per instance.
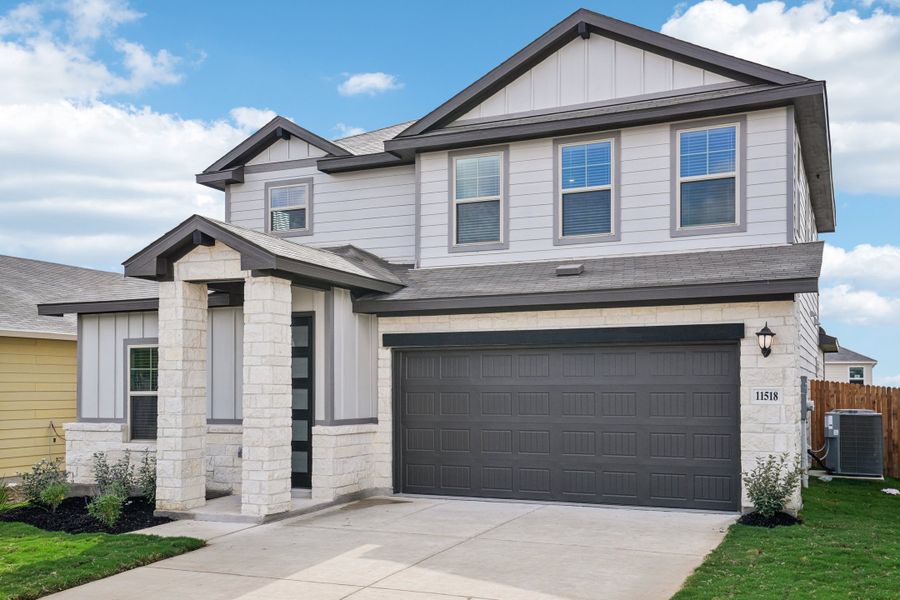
[302, 398]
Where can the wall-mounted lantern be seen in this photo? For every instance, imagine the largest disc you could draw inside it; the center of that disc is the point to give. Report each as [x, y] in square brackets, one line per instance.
[765, 336]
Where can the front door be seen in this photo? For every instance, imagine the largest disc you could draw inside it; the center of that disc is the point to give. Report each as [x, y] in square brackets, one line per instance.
[302, 344]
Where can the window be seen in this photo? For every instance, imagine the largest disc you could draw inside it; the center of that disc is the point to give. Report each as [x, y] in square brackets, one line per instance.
[143, 372]
[707, 176]
[857, 375]
[289, 206]
[477, 200]
[586, 189]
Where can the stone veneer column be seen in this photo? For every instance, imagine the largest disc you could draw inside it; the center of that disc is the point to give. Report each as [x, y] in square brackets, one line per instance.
[181, 434]
[266, 465]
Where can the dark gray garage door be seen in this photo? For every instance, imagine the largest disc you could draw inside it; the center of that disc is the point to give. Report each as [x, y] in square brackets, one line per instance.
[638, 425]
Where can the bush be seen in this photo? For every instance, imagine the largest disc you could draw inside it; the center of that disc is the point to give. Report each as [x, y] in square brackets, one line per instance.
[115, 478]
[43, 475]
[146, 478]
[107, 508]
[54, 494]
[771, 483]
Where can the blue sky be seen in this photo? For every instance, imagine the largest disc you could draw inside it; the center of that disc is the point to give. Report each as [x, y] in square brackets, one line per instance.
[109, 107]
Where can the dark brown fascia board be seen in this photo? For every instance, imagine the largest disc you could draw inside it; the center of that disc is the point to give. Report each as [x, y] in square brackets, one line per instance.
[219, 179]
[754, 100]
[688, 294]
[361, 162]
[266, 136]
[567, 30]
[154, 262]
[58, 309]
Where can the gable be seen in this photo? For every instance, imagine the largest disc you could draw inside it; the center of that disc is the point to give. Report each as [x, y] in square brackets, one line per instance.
[593, 70]
[290, 149]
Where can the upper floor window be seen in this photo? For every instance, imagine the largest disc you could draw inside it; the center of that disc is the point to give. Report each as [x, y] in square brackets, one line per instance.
[477, 200]
[289, 206]
[586, 194]
[143, 383]
[707, 176]
[857, 375]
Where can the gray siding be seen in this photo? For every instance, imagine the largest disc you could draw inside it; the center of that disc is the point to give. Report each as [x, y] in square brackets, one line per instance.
[355, 361]
[807, 307]
[804, 226]
[101, 364]
[225, 360]
[645, 198]
[597, 69]
[311, 301]
[373, 210]
[293, 149]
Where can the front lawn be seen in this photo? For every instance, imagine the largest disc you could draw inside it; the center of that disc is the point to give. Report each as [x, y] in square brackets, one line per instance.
[34, 562]
[847, 547]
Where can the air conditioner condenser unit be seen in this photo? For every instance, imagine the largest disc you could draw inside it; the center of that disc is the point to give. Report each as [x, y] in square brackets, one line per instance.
[854, 442]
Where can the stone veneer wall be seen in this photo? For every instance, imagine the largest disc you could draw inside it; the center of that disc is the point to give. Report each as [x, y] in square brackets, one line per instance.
[764, 429]
[223, 444]
[343, 460]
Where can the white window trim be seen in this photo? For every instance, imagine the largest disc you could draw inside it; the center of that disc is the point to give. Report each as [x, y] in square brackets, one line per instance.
[736, 174]
[853, 379]
[611, 187]
[128, 390]
[454, 201]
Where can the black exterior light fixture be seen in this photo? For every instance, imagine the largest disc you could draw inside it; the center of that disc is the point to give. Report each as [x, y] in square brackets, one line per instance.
[765, 336]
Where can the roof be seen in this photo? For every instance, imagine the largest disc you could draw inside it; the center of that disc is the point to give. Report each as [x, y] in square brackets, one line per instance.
[371, 142]
[828, 343]
[25, 283]
[749, 273]
[846, 355]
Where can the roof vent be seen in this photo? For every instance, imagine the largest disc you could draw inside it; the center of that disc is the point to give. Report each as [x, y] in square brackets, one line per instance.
[569, 269]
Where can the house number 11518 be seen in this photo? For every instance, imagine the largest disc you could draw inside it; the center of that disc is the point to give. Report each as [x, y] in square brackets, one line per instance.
[765, 395]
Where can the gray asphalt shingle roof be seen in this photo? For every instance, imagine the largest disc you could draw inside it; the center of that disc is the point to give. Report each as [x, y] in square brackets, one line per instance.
[371, 142]
[25, 283]
[845, 355]
[774, 263]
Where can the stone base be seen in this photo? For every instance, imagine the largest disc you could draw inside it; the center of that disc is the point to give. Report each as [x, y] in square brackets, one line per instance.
[342, 460]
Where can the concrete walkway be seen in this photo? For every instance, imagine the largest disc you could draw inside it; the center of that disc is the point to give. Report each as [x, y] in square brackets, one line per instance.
[431, 549]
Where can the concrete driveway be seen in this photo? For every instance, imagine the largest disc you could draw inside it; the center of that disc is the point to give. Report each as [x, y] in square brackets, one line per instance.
[432, 549]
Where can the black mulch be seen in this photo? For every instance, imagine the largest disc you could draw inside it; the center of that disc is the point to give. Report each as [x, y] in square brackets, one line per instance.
[777, 520]
[72, 517]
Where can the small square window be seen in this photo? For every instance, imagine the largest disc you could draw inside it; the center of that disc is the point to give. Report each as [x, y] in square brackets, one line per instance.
[289, 208]
[857, 375]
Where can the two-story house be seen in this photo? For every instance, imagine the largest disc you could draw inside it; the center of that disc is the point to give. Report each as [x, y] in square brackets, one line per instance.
[547, 288]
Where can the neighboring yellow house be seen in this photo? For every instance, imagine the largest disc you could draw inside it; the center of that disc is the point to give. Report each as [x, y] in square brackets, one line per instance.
[38, 357]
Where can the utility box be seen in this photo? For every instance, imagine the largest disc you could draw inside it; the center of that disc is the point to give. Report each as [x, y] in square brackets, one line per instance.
[855, 442]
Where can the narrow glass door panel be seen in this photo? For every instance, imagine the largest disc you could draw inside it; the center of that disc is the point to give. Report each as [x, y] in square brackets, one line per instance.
[301, 399]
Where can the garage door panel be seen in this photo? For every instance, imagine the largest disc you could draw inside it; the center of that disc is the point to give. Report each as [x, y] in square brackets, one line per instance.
[644, 425]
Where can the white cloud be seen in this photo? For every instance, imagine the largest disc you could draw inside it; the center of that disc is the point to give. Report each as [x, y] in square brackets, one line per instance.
[865, 265]
[344, 130]
[889, 380]
[858, 307]
[90, 19]
[857, 55]
[251, 119]
[368, 83]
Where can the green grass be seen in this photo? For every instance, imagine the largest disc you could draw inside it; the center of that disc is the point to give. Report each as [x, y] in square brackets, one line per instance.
[847, 547]
[34, 562]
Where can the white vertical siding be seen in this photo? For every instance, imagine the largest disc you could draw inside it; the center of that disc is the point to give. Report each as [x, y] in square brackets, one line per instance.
[355, 347]
[292, 149]
[306, 300]
[646, 187]
[593, 70]
[373, 209]
[225, 363]
[101, 367]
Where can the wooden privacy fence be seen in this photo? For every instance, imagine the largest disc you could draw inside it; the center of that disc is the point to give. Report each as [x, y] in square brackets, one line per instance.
[829, 395]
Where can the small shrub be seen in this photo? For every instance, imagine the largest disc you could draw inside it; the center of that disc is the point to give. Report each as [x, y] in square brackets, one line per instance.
[146, 478]
[5, 493]
[114, 477]
[106, 508]
[54, 494]
[43, 474]
[771, 483]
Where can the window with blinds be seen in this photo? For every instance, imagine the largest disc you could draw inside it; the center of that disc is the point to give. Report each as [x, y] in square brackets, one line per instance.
[586, 189]
[143, 382]
[288, 207]
[477, 200]
[707, 176]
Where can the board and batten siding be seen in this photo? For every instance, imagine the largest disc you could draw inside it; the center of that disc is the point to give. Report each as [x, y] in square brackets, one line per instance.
[37, 388]
[373, 209]
[102, 363]
[594, 70]
[355, 361]
[646, 189]
[292, 149]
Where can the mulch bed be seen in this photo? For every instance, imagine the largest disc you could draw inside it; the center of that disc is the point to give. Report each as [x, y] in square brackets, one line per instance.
[777, 520]
[72, 517]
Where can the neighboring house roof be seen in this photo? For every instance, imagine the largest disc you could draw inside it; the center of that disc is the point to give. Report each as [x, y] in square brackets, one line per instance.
[828, 343]
[24, 283]
[763, 272]
[846, 355]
